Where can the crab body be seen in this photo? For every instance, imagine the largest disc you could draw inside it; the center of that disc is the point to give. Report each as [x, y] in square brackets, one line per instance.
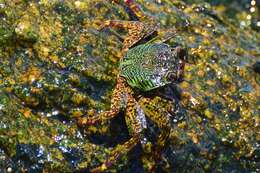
[149, 66]
[146, 67]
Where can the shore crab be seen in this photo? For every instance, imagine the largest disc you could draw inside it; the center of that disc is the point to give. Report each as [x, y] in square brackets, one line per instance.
[145, 67]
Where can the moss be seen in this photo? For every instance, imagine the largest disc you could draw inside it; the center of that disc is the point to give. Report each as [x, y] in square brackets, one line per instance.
[56, 65]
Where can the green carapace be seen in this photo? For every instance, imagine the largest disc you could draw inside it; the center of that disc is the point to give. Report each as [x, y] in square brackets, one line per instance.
[149, 66]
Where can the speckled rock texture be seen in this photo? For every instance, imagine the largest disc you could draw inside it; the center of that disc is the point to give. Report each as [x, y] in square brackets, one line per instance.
[56, 66]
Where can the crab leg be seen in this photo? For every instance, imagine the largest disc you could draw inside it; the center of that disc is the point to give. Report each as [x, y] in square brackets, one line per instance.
[118, 102]
[136, 31]
[154, 112]
[116, 154]
[136, 127]
[136, 9]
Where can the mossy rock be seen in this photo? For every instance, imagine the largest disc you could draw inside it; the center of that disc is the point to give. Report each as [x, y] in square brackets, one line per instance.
[56, 65]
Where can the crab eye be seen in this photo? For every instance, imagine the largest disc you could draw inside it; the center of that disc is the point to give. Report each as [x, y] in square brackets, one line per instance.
[180, 53]
[171, 76]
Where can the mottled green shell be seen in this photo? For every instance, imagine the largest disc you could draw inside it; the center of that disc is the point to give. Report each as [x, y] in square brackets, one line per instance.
[147, 66]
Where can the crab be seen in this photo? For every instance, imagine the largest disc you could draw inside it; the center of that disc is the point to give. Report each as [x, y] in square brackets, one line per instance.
[144, 67]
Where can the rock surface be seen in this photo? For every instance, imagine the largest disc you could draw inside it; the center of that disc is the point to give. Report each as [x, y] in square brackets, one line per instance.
[55, 65]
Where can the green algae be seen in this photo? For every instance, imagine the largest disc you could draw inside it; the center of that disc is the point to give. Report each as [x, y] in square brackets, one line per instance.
[55, 66]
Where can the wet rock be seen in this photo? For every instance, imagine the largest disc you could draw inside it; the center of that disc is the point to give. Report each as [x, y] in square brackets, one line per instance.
[256, 67]
[26, 31]
[56, 65]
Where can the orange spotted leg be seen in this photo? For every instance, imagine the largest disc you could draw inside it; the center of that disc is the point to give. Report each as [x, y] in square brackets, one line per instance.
[136, 30]
[118, 102]
[161, 118]
[134, 119]
[136, 9]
